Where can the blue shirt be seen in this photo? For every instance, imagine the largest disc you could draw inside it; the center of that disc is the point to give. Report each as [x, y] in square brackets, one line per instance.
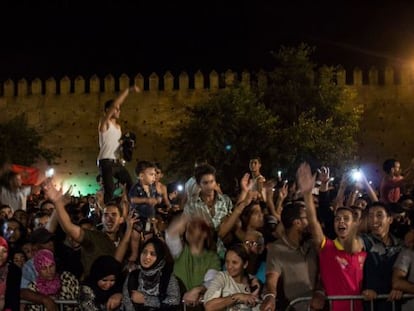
[144, 210]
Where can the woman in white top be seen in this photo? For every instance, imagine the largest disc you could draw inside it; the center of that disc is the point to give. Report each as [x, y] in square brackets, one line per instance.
[233, 289]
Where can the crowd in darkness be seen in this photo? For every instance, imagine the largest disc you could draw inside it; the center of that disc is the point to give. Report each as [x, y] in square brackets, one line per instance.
[157, 247]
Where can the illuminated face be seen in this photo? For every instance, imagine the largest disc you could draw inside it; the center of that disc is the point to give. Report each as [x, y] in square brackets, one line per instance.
[379, 222]
[344, 223]
[208, 184]
[107, 282]
[148, 256]
[147, 177]
[48, 272]
[234, 264]
[12, 231]
[3, 255]
[111, 219]
[255, 165]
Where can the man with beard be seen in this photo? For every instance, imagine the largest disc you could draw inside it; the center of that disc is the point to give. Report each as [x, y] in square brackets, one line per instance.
[291, 262]
[94, 243]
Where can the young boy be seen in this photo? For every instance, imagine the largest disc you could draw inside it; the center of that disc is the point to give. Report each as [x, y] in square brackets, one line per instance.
[143, 197]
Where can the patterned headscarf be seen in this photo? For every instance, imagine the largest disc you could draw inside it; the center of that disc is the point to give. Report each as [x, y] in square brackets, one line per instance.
[41, 259]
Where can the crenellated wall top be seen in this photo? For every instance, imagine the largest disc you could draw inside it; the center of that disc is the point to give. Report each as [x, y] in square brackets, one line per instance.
[183, 82]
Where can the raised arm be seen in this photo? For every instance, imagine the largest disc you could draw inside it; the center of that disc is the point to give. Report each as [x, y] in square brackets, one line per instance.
[306, 183]
[229, 222]
[103, 125]
[123, 244]
[174, 232]
[57, 198]
[275, 209]
[245, 185]
[340, 196]
[370, 191]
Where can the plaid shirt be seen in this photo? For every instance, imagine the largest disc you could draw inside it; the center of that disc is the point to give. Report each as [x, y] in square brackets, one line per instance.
[198, 208]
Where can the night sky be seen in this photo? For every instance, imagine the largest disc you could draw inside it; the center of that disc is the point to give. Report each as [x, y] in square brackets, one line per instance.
[57, 38]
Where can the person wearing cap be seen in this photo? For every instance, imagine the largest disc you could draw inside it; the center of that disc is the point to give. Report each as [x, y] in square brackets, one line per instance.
[41, 239]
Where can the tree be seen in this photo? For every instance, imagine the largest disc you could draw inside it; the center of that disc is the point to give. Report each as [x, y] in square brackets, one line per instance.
[21, 144]
[226, 129]
[297, 115]
[319, 119]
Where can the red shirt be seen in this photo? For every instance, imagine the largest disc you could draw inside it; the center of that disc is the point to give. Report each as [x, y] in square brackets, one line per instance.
[390, 189]
[341, 273]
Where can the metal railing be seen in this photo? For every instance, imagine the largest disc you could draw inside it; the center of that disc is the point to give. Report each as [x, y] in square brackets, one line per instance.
[201, 302]
[350, 298]
[61, 304]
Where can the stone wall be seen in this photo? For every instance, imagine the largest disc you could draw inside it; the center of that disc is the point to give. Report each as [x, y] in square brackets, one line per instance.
[66, 112]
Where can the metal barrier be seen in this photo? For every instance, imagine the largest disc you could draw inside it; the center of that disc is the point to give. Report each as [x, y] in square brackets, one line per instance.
[351, 298]
[201, 301]
[61, 303]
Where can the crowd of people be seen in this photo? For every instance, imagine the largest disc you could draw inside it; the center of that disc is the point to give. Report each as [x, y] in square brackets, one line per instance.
[154, 247]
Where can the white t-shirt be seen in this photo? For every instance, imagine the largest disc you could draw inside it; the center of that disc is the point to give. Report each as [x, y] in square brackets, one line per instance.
[109, 142]
[16, 200]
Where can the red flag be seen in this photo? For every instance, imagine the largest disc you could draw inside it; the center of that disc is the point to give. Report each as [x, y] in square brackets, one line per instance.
[30, 175]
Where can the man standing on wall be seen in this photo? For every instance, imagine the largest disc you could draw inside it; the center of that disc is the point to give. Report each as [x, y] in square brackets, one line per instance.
[109, 158]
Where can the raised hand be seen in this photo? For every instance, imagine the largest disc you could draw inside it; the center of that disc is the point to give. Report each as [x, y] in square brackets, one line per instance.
[51, 192]
[323, 174]
[305, 179]
[246, 183]
[283, 192]
[135, 88]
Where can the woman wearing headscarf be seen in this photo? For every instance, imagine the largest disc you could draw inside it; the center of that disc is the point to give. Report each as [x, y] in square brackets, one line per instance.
[10, 276]
[152, 287]
[63, 286]
[102, 290]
